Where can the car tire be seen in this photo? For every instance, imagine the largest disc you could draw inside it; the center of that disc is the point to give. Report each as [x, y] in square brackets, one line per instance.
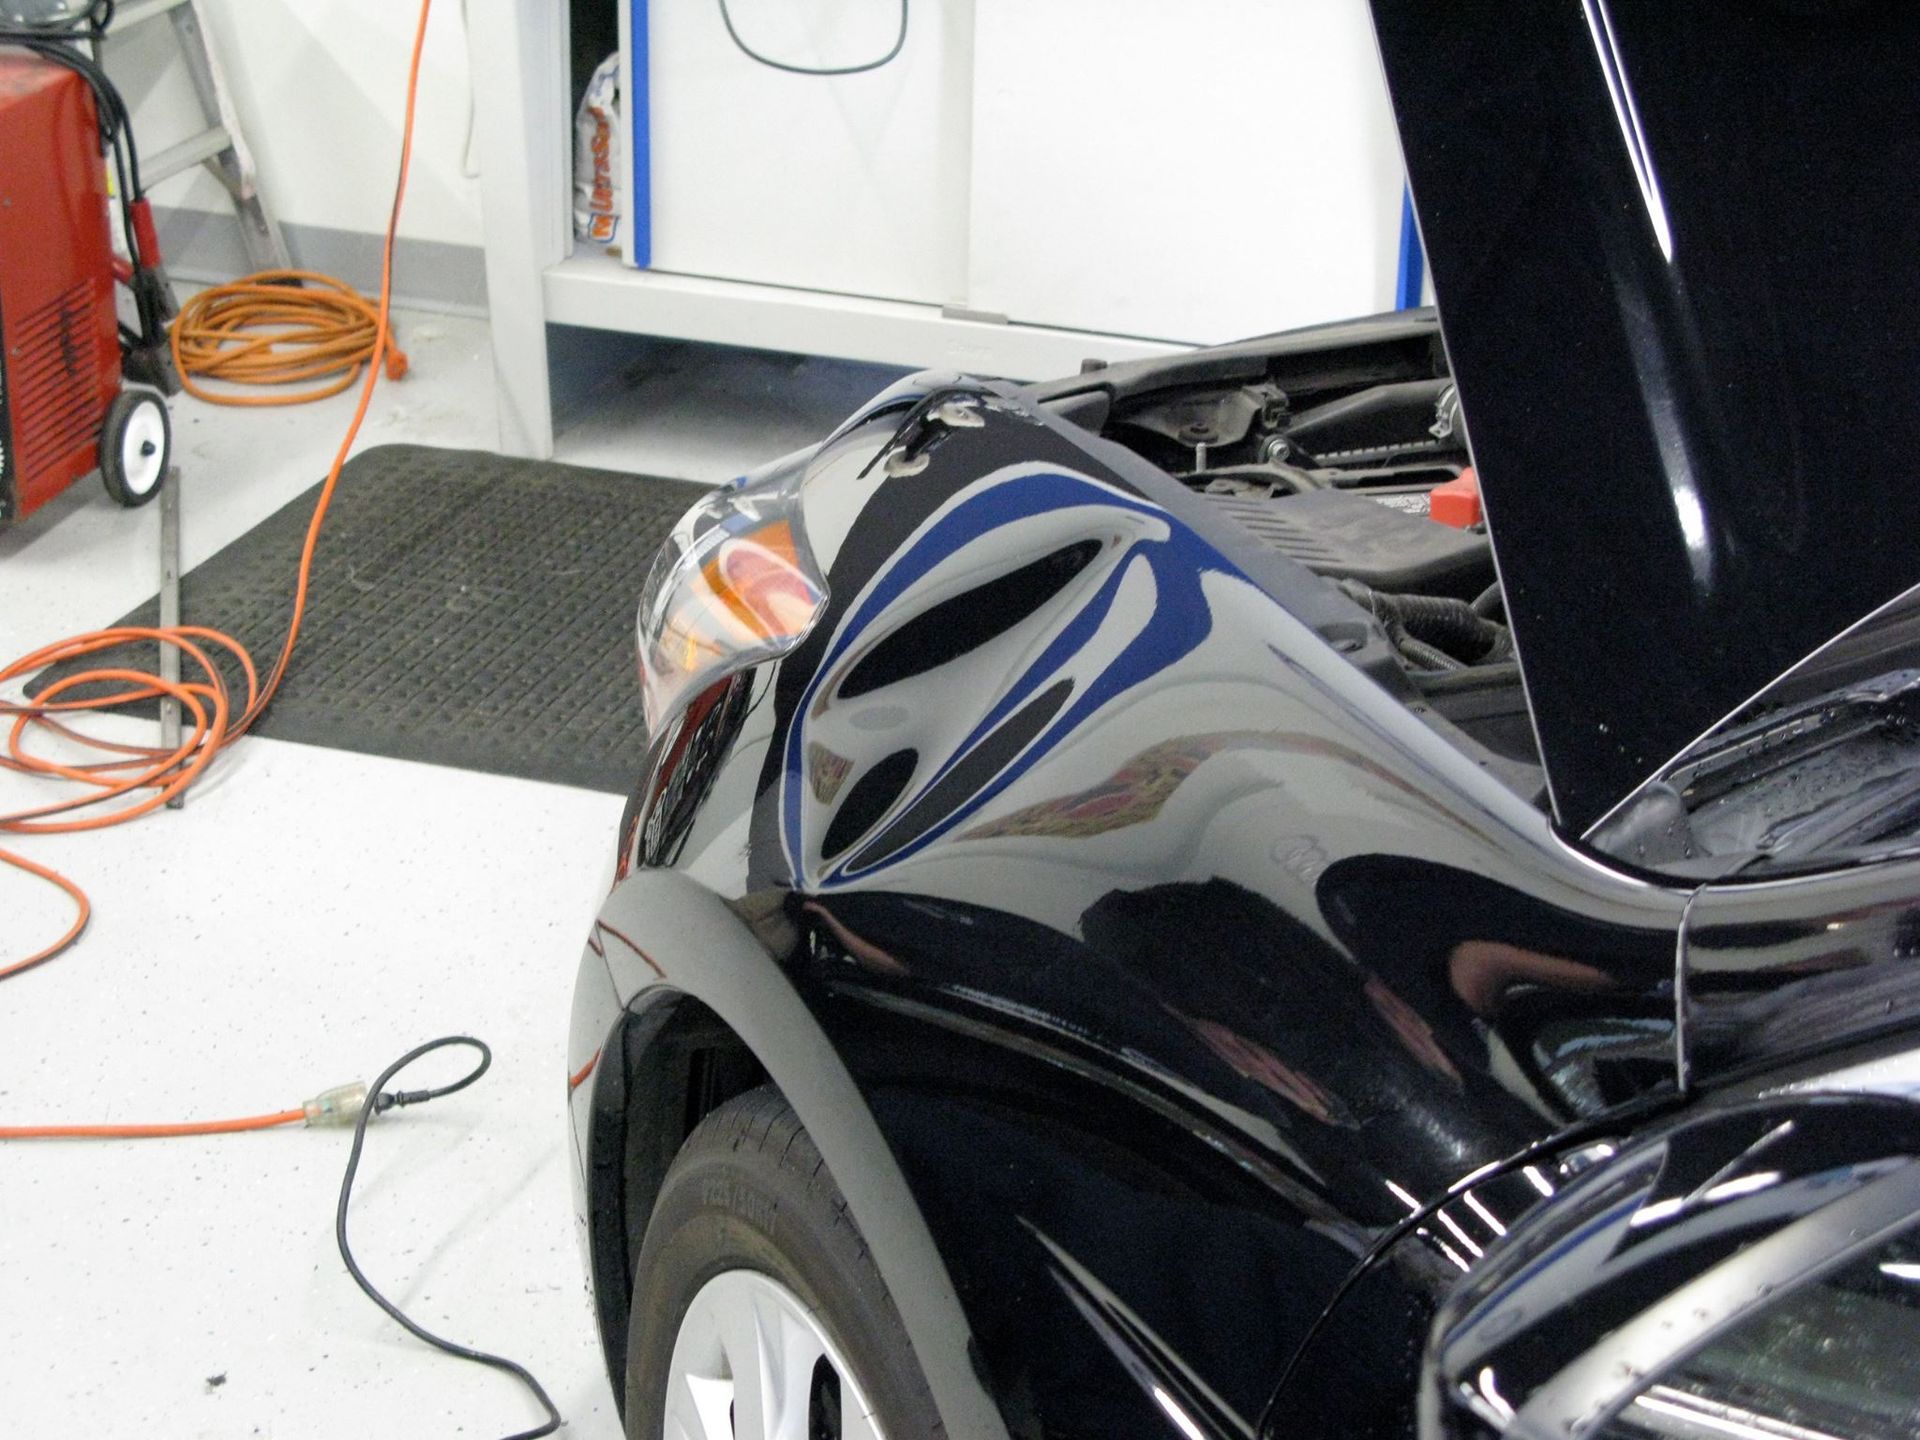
[749, 1216]
[136, 447]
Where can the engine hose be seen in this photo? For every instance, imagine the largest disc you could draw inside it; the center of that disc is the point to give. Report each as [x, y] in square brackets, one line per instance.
[1427, 657]
[1488, 675]
[1448, 623]
[1491, 603]
[1437, 624]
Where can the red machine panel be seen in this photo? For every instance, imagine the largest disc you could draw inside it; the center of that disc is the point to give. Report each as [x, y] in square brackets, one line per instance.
[59, 341]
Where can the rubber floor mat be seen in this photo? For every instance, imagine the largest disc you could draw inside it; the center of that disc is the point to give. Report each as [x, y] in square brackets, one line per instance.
[466, 610]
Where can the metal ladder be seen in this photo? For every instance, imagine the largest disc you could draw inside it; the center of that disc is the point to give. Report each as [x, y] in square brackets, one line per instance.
[220, 147]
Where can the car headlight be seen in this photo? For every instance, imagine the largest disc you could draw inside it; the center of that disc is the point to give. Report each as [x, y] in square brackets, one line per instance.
[734, 585]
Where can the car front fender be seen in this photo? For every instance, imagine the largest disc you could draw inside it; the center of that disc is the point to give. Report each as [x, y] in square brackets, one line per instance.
[661, 935]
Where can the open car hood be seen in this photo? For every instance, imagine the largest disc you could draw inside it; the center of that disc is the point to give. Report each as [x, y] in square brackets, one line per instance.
[1674, 244]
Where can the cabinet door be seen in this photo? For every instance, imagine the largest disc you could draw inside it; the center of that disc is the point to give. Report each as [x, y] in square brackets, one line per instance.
[855, 184]
[1200, 171]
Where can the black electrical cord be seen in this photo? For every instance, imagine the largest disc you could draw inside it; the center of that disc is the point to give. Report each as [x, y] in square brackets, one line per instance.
[899, 44]
[379, 1101]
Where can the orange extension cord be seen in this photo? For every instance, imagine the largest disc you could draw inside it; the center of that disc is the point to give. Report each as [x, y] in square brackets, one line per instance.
[212, 720]
[280, 327]
[151, 1132]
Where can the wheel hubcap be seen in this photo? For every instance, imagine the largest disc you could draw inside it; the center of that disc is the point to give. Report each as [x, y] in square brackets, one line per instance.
[751, 1362]
[143, 448]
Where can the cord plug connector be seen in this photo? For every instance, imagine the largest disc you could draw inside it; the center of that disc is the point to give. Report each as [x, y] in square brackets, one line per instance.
[339, 1106]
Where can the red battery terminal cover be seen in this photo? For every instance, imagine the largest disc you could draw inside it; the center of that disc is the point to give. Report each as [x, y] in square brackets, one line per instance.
[1457, 503]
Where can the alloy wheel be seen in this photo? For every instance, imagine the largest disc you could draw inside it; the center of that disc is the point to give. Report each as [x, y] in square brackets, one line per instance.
[752, 1362]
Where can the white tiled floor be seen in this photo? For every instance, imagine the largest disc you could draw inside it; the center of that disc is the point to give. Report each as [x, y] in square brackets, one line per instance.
[306, 918]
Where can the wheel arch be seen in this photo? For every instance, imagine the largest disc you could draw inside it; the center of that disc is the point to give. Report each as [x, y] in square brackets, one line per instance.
[667, 1063]
[705, 1013]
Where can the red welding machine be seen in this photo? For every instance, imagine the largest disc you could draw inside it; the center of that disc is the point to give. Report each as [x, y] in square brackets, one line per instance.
[63, 410]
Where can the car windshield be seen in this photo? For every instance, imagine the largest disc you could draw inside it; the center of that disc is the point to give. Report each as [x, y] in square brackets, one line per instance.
[1820, 769]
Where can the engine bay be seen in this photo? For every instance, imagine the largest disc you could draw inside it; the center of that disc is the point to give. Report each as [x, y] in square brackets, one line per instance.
[1354, 464]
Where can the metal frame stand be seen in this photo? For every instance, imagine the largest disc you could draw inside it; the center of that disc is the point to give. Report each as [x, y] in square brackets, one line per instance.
[170, 612]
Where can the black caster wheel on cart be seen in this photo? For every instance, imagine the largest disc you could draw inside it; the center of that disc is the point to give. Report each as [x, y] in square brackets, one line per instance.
[136, 446]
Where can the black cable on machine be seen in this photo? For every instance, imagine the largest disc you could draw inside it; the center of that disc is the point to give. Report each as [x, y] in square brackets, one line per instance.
[380, 1100]
[899, 43]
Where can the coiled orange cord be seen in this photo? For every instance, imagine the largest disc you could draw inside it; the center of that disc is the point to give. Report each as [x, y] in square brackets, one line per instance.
[280, 327]
[211, 723]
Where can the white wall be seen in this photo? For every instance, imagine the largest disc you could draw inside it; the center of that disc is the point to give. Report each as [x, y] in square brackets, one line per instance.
[320, 89]
[1201, 171]
[856, 185]
[1192, 172]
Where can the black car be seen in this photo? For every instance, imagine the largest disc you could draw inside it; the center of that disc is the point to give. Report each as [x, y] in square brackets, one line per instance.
[1149, 914]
